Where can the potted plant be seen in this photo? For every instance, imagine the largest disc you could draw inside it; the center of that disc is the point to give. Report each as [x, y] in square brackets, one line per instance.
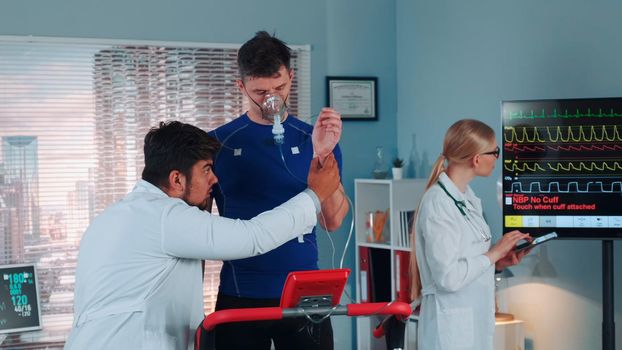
[398, 167]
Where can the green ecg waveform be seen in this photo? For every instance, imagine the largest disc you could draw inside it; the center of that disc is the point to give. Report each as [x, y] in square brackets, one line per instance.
[577, 133]
[565, 114]
[564, 166]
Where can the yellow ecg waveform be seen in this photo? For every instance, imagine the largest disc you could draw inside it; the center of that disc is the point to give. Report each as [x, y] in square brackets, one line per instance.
[563, 166]
[575, 133]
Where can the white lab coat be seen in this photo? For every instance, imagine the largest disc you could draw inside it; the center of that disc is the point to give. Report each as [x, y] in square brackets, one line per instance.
[457, 307]
[138, 280]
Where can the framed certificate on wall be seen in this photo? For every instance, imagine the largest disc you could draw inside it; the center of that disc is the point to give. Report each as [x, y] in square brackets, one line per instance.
[355, 98]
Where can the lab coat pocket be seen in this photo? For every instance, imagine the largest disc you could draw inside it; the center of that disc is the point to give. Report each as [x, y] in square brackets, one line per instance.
[456, 328]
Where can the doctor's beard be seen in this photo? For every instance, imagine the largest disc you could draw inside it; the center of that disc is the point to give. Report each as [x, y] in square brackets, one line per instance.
[204, 205]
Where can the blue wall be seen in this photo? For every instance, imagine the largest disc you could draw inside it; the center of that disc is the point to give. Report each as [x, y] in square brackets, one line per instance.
[354, 49]
[347, 37]
[458, 59]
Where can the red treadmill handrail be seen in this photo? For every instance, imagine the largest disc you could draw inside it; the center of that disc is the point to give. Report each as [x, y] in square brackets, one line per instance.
[240, 315]
[379, 331]
[401, 312]
[397, 308]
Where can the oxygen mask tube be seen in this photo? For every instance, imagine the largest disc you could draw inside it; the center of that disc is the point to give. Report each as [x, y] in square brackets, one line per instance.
[272, 109]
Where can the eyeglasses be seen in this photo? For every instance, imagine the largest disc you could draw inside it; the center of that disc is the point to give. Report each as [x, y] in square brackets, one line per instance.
[495, 153]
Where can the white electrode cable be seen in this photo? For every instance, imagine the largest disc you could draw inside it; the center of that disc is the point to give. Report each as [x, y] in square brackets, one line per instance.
[324, 218]
[328, 233]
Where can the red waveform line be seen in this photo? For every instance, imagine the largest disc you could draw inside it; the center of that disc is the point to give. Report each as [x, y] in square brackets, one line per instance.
[586, 148]
[510, 147]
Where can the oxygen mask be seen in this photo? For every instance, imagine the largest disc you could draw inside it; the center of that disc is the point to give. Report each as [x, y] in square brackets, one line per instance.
[273, 109]
[272, 106]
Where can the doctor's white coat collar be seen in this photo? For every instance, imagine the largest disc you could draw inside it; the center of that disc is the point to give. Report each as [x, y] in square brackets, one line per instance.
[145, 186]
[468, 196]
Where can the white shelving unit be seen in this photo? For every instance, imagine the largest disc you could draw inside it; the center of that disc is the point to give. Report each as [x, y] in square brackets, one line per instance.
[398, 198]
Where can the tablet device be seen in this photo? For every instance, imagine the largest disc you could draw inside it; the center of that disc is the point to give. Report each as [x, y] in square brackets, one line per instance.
[536, 241]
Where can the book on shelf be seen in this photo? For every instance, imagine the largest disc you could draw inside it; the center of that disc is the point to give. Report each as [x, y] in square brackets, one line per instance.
[364, 275]
[402, 276]
[375, 282]
[407, 218]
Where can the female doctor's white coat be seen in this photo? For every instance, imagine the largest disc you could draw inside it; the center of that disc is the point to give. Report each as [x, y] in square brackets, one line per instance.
[139, 279]
[457, 307]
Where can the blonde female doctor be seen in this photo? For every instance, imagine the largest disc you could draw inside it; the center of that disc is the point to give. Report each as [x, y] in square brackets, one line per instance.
[453, 252]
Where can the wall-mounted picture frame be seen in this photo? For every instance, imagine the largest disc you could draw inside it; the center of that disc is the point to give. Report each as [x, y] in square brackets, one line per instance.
[355, 98]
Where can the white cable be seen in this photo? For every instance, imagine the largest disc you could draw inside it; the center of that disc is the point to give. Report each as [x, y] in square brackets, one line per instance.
[323, 218]
[349, 233]
[328, 233]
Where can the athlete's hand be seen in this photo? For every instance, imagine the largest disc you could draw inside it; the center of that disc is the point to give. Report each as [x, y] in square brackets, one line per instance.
[326, 132]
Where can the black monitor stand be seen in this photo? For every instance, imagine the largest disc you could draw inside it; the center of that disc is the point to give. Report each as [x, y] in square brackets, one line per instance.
[609, 327]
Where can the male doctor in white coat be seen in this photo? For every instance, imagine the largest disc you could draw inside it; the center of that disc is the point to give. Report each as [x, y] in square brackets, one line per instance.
[139, 278]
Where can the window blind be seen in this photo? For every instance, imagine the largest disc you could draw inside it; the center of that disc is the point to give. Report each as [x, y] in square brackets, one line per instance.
[73, 115]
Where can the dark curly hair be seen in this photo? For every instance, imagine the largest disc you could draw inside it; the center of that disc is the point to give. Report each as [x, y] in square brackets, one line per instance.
[262, 56]
[175, 146]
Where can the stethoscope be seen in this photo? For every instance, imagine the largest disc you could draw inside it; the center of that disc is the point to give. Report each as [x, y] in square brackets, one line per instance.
[462, 207]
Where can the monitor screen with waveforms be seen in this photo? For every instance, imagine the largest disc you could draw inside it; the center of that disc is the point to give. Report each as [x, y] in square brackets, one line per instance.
[19, 299]
[562, 167]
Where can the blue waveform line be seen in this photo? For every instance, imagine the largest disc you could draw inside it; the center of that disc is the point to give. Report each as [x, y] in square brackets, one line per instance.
[571, 187]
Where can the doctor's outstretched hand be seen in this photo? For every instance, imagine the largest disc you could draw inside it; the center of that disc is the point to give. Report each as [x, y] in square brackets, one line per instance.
[324, 179]
[326, 132]
[502, 253]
